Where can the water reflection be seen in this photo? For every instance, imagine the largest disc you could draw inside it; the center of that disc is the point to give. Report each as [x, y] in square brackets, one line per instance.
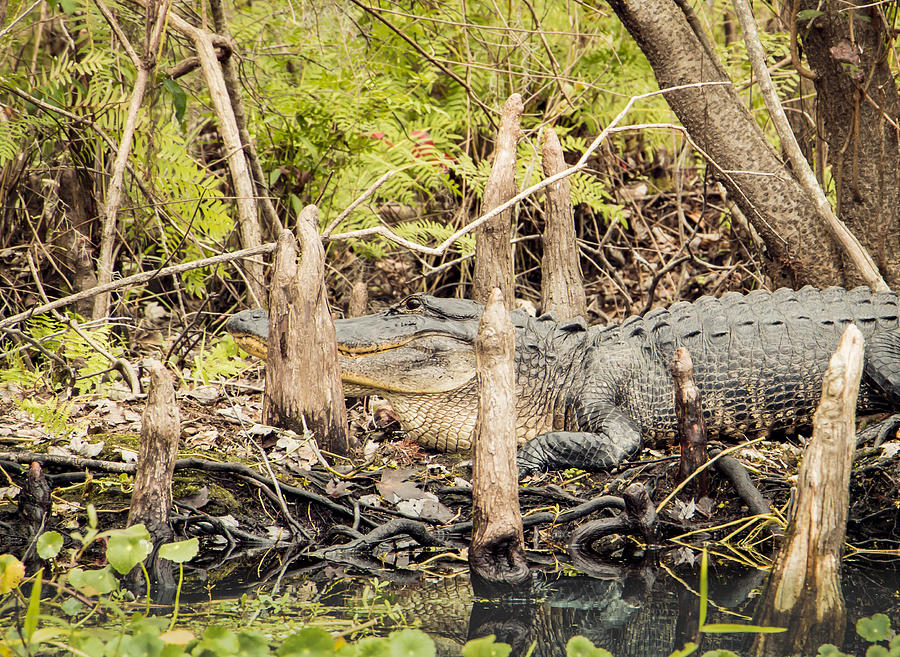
[638, 611]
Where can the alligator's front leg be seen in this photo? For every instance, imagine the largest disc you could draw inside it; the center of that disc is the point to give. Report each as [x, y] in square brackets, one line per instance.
[615, 438]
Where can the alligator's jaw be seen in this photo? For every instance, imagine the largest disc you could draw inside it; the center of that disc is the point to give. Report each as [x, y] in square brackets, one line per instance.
[427, 375]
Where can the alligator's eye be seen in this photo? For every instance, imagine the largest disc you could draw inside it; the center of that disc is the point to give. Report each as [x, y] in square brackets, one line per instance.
[412, 303]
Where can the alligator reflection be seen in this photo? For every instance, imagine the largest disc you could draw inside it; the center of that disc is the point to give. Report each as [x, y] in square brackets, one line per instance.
[645, 611]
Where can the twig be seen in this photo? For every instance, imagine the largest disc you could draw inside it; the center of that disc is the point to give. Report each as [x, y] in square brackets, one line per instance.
[137, 279]
[360, 199]
[19, 17]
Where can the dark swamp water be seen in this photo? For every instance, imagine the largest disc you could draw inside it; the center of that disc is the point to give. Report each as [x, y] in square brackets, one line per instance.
[648, 611]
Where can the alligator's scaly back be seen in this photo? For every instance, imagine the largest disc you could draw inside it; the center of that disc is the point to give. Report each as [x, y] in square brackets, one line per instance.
[586, 397]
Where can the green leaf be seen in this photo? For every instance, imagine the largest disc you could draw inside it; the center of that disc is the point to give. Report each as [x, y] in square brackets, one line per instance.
[704, 587]
[12, 571]
[720, 653]
[308, 642]
[411, 643]
[34, 606]
[71, 606]
[486, 647]
[217, 641]
[807, 14]
[92, 516]
[829, 650]
[68, 6]
[874, 628]
[719, 628]
[93, 582]
[373, 647]
[49, 544]
[179, 97]
[141, 645]
[689, 649]
[126, 548]
[181, 551]
[252, 644]
[579, 646]
[877, 650]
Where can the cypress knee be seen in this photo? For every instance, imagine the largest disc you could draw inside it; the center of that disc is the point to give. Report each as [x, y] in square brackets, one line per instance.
[497, 553]
[303, 378]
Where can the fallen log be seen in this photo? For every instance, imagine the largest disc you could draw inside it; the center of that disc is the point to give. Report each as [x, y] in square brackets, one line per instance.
[804, 590]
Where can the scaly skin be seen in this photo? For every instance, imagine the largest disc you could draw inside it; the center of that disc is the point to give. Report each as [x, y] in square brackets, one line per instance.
[587, 396]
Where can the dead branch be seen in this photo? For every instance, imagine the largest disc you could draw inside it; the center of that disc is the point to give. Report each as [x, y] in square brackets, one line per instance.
[156, 17]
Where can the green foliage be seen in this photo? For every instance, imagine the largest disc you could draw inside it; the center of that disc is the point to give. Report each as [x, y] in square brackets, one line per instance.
[83, 359]
[487, 646]
[220, 361]
[53, 414]
[579, 646]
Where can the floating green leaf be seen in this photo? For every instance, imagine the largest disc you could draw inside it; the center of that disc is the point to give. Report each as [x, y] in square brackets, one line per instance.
[373, 647]
[126, 548]
[308, 642]
[181, 551]
[486, 646]
[11, 572]
[93, 582]
[874, 628]
[579, 646]
[49, 544]
[411, 643]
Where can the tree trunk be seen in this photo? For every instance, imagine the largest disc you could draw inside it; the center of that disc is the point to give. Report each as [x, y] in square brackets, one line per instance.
[562, 284]
[801, 249]
[497, 553]
[860, 109]
[302, 345]
[804, 590]
[493, 239]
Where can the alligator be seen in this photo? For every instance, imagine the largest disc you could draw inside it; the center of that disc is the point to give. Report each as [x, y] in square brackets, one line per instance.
[588, 396]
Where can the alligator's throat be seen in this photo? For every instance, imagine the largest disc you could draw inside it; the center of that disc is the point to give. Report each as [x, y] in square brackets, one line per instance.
[446, 421]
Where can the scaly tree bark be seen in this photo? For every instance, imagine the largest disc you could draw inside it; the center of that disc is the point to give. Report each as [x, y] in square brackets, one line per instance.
[801, 249]
[493, 239]
[847, 47]
[562, 283]
[862, 267]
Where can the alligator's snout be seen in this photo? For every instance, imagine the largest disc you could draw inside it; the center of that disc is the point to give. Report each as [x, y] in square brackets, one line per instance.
[386, 352]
